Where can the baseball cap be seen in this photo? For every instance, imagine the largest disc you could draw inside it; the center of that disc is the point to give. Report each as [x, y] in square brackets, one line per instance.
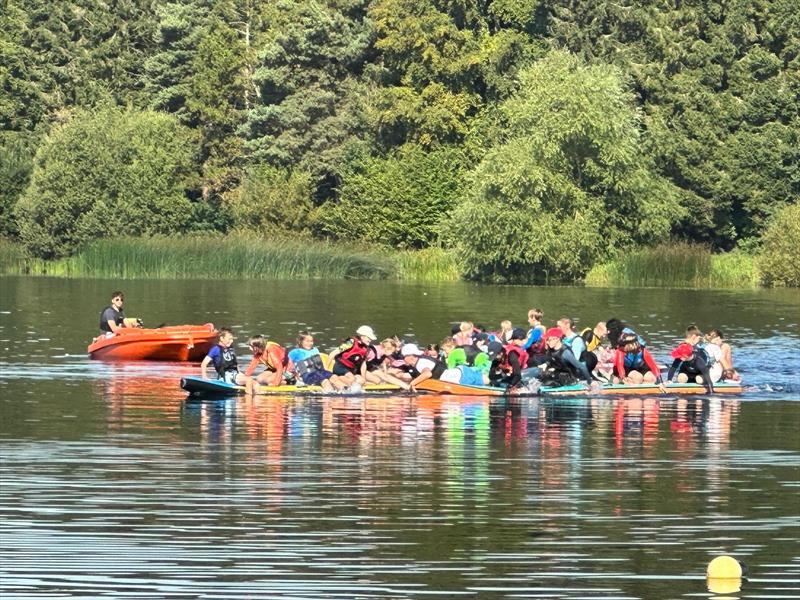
[554, 332]
[518, 334]
[410, 350]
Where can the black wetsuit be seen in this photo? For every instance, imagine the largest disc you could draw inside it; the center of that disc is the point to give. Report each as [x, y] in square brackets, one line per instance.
[693, 367]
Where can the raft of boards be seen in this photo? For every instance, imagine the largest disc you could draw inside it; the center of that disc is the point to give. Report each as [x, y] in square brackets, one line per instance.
[199, 387]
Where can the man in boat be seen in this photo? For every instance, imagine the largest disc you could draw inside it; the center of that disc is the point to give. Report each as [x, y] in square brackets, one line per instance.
[223, 357]
[112, 319]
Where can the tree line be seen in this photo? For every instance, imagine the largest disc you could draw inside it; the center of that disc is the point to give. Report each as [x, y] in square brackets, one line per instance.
[534, 138]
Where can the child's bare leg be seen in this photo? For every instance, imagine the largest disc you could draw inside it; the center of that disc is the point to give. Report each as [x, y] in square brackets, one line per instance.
[683, 378]
[649, 377]
[634, 377]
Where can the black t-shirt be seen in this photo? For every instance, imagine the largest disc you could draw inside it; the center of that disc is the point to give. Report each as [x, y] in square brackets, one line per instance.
[110, 314]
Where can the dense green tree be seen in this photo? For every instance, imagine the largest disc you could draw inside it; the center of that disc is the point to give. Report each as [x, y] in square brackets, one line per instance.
[399, 200]
[16, 163]
[777, 258]
[310, 103]
[106, 174]
[718, 82]
[569, 184]
[272, 200]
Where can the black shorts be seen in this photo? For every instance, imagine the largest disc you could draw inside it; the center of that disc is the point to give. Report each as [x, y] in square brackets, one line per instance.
[340, 370]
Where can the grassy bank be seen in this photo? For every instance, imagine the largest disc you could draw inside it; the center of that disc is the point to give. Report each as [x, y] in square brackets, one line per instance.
[236, 256]
[678, 265]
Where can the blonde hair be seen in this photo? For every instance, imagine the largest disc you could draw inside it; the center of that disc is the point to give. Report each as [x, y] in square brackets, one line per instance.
[506, 325]
[390, 345]
[257, 343]
[466, 327]
[447, 342]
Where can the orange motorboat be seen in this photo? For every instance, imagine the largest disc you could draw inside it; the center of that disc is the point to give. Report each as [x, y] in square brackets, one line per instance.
[177, 342]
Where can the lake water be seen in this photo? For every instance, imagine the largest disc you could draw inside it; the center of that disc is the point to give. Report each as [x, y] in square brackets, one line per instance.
[111, 484]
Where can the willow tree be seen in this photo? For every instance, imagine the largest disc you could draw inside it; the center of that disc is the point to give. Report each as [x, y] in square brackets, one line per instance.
[569, 183]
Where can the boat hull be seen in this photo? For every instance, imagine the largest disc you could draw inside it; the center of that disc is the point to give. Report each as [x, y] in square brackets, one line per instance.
[176, 343]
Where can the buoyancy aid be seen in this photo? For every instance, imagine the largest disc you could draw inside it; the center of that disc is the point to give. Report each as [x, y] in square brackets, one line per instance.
[555, 358]
[436, 372]
[375, 357]
[353, 356]
[225, 361]
[591, 339]
[510, 349]
[274, 351]
[634, 360]
[309, 365]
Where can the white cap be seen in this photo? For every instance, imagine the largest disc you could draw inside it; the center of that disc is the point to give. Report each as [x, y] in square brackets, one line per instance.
[367, 331]
[410, 350]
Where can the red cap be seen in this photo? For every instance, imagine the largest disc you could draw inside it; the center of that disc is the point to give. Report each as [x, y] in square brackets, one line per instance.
[683, 351]
[554, 332]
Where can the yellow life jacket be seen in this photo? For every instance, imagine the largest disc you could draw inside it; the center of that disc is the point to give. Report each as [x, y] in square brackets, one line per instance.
[591, 339]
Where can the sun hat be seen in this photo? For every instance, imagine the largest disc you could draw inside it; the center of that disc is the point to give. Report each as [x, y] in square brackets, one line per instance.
[410, 350]
[683, 351]
[367, 331]
[554, 332]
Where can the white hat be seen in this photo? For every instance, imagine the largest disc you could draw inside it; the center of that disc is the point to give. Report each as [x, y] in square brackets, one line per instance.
[367, 331]
[410, 350]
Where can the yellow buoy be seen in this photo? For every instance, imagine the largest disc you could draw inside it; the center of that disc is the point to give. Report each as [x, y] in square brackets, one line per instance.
[723, 586]
[724, 567]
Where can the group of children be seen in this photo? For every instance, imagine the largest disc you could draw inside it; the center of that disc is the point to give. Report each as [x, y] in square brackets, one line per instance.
[610, 352]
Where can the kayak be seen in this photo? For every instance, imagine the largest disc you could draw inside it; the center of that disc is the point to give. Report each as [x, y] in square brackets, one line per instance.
[176, 343]
[200, 386]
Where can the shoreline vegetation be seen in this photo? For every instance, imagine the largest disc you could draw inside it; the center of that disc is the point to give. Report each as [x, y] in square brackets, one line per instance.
[246, 256]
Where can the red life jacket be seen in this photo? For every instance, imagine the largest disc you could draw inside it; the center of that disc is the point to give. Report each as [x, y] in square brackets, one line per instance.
[521, 355]
[354, 356]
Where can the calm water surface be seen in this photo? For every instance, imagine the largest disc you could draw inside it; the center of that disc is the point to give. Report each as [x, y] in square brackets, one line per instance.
[111, 484]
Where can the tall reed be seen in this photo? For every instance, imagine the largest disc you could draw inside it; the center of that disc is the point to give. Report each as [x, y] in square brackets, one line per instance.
[430, 264]
[680, 265]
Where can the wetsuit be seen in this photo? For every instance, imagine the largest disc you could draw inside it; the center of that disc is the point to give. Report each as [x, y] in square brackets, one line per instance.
[563, 361]
[693, 367]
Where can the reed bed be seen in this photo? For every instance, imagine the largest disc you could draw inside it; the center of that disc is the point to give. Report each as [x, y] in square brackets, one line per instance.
[429, 265]
[677, 265]
[236, 256]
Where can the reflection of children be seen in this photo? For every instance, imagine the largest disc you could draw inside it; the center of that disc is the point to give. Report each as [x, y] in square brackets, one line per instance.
[224, 359]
